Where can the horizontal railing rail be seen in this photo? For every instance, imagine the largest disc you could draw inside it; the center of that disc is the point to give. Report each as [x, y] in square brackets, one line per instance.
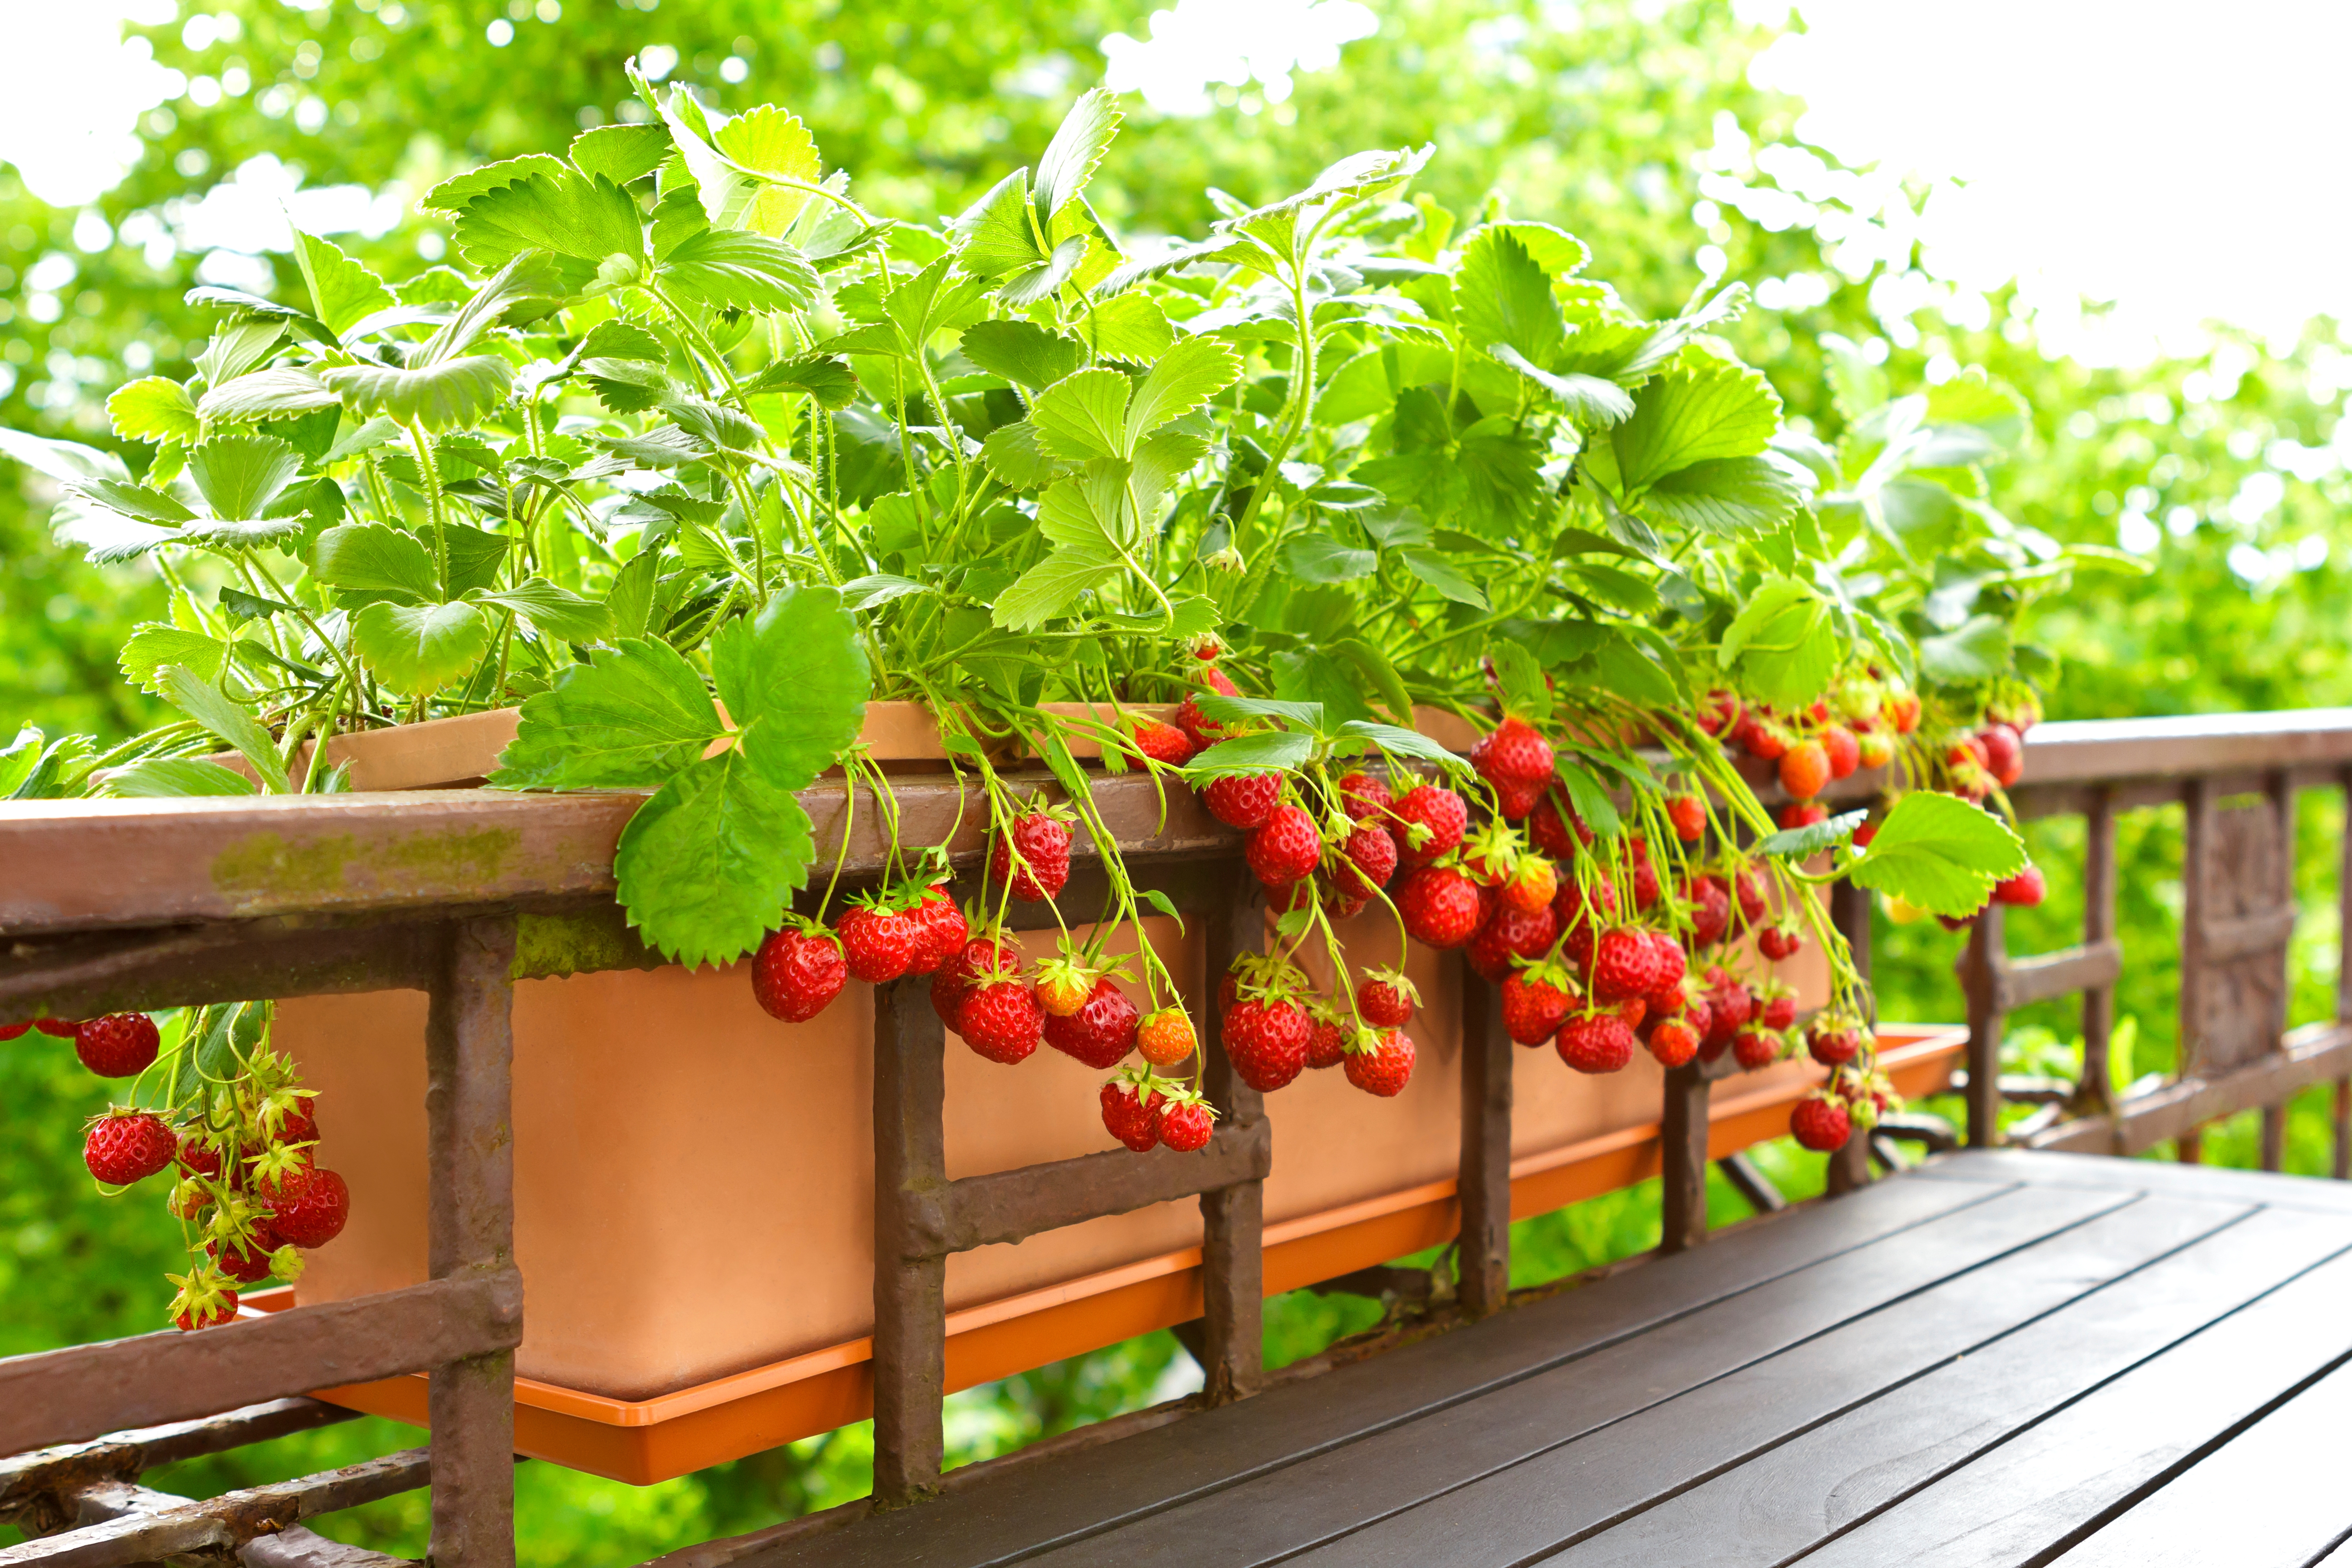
[115, 905]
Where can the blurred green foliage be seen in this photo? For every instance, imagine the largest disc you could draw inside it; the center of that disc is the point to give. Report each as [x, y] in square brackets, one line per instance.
[1632, 120]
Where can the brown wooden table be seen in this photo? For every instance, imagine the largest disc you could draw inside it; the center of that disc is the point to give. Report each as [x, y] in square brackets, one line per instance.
[2000, 1359]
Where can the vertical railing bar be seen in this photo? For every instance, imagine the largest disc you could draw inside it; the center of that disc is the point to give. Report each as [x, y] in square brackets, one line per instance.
[1979, 982]
[2196, 912]
[1850, 909]
[1484, 1180]
[2281, 791]
[910, 1321]
[1233, 1219]
[2343, 1108]
[1682, 1159]
[2095, 1090]
[468, 1099]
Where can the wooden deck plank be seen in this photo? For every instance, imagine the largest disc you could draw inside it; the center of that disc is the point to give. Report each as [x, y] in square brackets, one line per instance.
[1582, 1488]
[1789, 1499]
[2030, 1494]
[2292, 1460]
[1271, 1517]
[1089, 1492]
[2050, 1168]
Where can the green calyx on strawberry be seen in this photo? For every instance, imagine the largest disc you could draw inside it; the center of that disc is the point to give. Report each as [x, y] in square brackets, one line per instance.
[1063, 982]
[1386, 999]
[1182, 1119]
[204, 1300]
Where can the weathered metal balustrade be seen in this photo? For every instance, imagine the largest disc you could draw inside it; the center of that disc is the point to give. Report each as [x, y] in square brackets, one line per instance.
[137, 905]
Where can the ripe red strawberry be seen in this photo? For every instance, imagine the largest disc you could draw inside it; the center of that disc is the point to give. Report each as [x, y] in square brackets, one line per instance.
[797, 972]
[942, 930]
[1128, 1115]
[1754, 893]
[1183, 1122]
[1754, 1049]
[1101, 1032]
[1510, 934]
[1370, 860]
[126, 1146]
[1719, 712]
[249, 1267]
[1903, 713]
[1777, 942]
[1531, 885]
[1843, 752]
[981, 955]
[1765, 740]
[1517, 799]
[1820, 1122]
[218, 1306]
[2004, 753]
[1865, 834]
[1595, 1042]
[1535, 1004]
[1804, 768]
[199, 1156]
[1778, 1010]
[1286, 848]
[1673, 964]
[999, 1019]
[120, 1044]
[1673, 1042]
[56, 1029]
[1440, 907]
[1266, 1042]
[1729, 1006]
[1385, 999]
[1798, 815]
[1162, 743]
[1203, 731]
[1700, 1018]
[1710, 908]
[1382, 1062]
[1364, 796]
[1689, 815]
[1553, 828]
[879, 944]
[2026, 889]
[1832, 1045]
[1515, 753]
[309, 1210]
[1624, 966]
[1327, 1036]
[1166, 1038]
[1438, 810]
[1043, 841]
[11, 1031]
[1244, 800]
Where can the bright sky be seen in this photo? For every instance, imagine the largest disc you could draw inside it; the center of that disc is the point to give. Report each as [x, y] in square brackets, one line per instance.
[2187, 161]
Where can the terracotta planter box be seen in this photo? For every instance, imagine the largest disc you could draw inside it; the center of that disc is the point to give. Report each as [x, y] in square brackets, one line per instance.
[693, 1179]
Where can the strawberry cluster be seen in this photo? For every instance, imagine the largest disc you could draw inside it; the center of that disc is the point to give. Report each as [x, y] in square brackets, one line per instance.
[250, 1193]
[1274, 1029]
[1860, 724]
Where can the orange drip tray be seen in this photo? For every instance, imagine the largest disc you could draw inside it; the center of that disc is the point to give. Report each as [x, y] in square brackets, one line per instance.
[649, 1440]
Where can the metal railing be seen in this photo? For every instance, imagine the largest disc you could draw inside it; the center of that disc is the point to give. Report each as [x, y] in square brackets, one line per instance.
[121, 905]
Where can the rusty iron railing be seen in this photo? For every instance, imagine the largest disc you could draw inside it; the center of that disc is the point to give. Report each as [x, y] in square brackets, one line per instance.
[122, 905]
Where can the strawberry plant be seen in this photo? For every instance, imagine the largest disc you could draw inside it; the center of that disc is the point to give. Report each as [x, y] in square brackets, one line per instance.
[690, 456]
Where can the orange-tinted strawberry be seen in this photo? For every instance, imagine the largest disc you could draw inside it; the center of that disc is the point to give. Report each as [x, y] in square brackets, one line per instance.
[1843, 752]
[1531, 885]
[1804, 768]
[1673, 1042]
[1687, 813]
[1166, 1038]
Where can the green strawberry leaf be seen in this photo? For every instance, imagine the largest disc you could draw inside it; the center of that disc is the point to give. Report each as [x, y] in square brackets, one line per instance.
[370, 558]
[1726, 496]
[1941, 853]
[266, 394]
[175, 778]
[1591, 801]
[1185, 378]
[798, 674]
[1273, 751]
[621, 153]
[632, 718]
[344, 293]
[1398, 741]
[1704, 409]
[441, 396]
[1226, 709]
[1022, 352]
[1977, 650]
[239, 475]
[1501, 296]
[420, 648]
[730, 268]
[556, 611]
[208, 705]
[1783, 642]
[705, 866]
[1077, 150]
[155, 408]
